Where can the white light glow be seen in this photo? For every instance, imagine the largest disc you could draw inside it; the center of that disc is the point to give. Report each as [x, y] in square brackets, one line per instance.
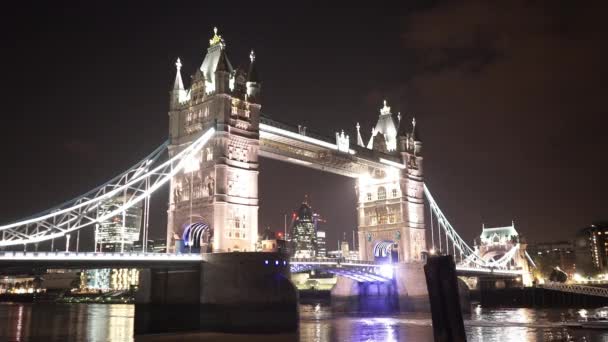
[386, 271]
[59, 256]
[191, 164]
[392, 163]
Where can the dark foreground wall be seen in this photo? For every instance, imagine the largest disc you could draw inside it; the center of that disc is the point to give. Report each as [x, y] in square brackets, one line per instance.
[228, 292]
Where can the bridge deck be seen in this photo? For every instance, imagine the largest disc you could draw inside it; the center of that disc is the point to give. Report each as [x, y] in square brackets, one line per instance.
[95, 260]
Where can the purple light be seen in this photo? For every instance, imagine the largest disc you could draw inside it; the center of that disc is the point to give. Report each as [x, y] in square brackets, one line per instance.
[276, 262]
[266, 262]
[284, 262]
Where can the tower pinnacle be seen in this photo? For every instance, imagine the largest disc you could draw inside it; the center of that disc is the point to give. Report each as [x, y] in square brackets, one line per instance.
[386, 109]
[216, 39]
[178, 85]
[359, 138]
[252, 56]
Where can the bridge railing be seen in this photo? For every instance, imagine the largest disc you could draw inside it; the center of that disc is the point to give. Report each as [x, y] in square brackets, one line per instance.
[335, 261]
[16, 255]
[575, 288]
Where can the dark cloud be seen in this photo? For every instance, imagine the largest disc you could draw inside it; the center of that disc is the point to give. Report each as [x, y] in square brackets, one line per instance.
[516, 88]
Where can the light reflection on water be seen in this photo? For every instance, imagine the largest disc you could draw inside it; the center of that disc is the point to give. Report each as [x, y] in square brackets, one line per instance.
[100, 322]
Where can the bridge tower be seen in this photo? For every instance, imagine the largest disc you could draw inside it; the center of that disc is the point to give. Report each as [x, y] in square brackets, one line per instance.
[390, 200]
[220, 186]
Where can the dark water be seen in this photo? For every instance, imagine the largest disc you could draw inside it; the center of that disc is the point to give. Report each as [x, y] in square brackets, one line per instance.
[100, 322]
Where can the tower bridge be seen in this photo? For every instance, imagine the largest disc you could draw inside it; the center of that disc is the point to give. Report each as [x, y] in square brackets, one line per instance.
[217, 134]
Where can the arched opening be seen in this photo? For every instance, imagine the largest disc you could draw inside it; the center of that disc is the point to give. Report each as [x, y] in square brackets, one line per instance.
[386, 252]
[197, 238]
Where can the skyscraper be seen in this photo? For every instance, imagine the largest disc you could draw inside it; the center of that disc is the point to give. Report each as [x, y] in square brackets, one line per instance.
[304, 232]
[591, 248]
[321, 246]
[118, 232]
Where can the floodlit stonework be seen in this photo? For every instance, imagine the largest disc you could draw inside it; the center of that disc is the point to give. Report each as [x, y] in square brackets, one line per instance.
[219, 187]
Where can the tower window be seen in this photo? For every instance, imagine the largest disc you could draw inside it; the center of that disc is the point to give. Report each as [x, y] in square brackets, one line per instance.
[381, 193]
[369, 196]
[394, 192]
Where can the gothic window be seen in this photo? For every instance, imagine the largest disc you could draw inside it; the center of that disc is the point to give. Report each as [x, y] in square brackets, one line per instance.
[206, 112]
[391, 216]
[381, 193]
[394, 193]
[374, 220]
[209, 154]
[230, 148]
[369, 196]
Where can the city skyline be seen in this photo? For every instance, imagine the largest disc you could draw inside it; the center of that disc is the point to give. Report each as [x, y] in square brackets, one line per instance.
[517, 157]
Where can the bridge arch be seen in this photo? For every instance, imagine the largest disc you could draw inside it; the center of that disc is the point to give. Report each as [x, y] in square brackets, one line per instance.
[386, 251]
[197, 237]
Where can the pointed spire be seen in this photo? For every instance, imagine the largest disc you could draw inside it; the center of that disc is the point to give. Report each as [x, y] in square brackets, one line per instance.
[178, 85]
[252, 75]
[359, 138]
[415, 134]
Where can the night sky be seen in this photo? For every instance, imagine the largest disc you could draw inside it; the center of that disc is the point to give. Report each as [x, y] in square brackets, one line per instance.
[509, 96]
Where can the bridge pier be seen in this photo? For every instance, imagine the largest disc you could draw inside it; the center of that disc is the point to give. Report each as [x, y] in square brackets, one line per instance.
[227, 292]
[411, 287]
[406, 292]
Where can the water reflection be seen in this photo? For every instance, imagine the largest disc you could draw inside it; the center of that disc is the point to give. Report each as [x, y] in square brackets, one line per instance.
[318, 322]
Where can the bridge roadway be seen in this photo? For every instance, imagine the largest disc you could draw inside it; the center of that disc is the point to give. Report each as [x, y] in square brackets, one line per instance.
[21, 260]
[366, 269]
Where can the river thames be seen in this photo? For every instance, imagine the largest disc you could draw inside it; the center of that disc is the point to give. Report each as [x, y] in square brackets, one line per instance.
[318, 322]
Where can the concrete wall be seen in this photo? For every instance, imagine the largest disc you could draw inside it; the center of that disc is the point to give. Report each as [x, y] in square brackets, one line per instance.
[229, 292]
[411, 287]
[248, 292]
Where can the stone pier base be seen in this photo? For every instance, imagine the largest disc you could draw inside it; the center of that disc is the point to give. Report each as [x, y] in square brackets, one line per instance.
[228, 292]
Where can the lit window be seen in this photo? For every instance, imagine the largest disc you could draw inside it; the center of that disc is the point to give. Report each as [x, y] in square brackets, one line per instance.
[209, 154]
[381, 193]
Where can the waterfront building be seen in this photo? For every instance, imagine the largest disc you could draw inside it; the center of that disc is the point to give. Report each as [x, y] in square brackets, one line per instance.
[591, 248]
[548, 255]
[270, 241]
[119, 232]
[109, 279]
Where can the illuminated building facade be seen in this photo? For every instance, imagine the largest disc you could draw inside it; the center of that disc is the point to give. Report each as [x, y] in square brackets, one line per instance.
[321, 244]
[592, 247]
[109, 279]
[304, 233]
[390, 201]
[219, 187]
[118, 232]
[549, 255]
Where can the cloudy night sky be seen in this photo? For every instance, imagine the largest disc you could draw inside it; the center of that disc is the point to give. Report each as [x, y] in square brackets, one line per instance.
[509, 96]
